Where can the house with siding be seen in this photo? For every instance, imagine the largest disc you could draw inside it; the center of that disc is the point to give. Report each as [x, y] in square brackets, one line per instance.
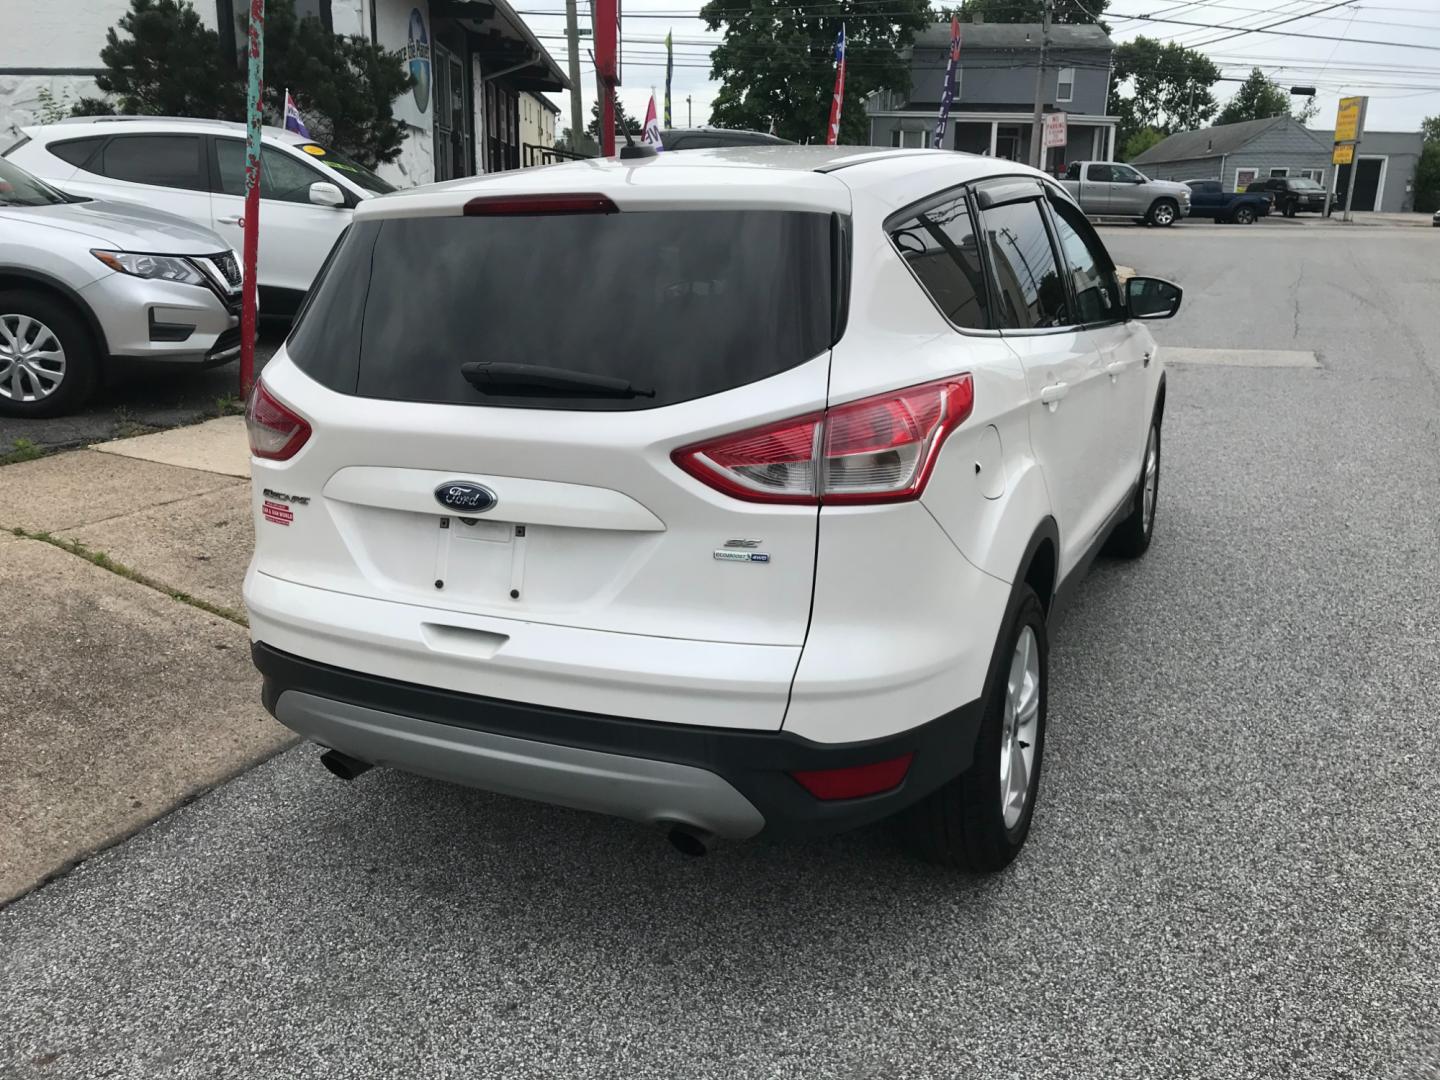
[1238, 154]
[995, 92]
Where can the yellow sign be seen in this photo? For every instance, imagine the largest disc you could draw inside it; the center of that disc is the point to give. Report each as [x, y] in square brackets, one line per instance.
[1347, 120]
[1344, 154]
[312, 149]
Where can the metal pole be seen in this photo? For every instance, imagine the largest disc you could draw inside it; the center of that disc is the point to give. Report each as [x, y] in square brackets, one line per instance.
[251, 224]
[1037, 151]
[1355, 161]
[689, 122]
[577, 111]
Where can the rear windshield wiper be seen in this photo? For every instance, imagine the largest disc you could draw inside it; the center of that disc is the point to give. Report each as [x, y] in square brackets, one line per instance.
[533, 379]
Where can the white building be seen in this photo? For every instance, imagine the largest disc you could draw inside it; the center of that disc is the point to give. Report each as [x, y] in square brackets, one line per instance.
[472, 61]
[537, 126]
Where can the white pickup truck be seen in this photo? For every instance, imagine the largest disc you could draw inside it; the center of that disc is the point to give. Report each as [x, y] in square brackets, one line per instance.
[1109, 189]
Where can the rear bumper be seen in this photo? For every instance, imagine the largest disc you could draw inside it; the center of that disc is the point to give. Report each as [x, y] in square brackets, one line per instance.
[731, 782]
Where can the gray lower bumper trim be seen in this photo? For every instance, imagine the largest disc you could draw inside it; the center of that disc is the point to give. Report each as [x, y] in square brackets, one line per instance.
[637, 788]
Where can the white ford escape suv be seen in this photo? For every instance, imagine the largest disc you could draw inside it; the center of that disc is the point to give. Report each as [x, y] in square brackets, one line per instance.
[728, 490]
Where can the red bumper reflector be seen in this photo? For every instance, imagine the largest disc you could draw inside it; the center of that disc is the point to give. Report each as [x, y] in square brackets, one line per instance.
[857, 780]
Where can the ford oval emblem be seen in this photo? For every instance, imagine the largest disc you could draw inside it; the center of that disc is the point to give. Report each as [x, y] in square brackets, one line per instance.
[464, 497]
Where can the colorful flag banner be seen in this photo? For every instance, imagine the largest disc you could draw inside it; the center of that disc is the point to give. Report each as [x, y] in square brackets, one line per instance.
[832, 136]
[947, 96]
[669, 71]
[292, 117]
[652, 126]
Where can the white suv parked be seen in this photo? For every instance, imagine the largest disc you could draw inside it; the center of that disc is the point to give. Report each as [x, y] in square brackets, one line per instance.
[196, 169]
[728, 490]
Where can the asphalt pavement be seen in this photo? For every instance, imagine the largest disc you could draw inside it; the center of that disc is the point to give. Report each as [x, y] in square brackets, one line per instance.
[1233, 871]
[143, 400]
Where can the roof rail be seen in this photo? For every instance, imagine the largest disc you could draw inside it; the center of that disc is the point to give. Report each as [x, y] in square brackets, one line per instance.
[129, 119]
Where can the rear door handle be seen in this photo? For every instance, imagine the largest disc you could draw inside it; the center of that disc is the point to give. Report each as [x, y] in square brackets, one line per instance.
[1049, 395]
[1114, 368]
[231, 220]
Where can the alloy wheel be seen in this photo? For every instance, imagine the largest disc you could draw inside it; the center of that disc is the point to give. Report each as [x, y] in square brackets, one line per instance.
[1019, 727]
[1151, 481]
[32, 360]
[1164, 215]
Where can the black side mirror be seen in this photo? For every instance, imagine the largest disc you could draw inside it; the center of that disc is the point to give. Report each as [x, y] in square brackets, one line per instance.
[1152, 298]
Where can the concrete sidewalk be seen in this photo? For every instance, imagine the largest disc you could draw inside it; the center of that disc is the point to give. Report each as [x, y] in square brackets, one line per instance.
[130, 687]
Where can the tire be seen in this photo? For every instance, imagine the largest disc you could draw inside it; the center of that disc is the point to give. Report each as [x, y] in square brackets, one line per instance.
[1164, 213]
[1131, 537]
[1245, 215]
[48, 364]
[968, 824]
[1290, 209]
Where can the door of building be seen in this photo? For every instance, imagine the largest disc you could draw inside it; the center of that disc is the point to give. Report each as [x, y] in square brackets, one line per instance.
[1008, 143]
[1367, 184]
[453, 156]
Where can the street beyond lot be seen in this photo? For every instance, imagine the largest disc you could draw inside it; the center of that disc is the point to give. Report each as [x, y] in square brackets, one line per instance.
[1232, 873]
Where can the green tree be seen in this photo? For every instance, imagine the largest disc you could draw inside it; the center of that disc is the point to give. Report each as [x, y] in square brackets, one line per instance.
[1427, 172]
[1030, 11]
[776, 64]
[169, 64]
[1161, 86]
[1258, 98]
[1138, 143]
[585, 145]
[344, 87]
[623, 120]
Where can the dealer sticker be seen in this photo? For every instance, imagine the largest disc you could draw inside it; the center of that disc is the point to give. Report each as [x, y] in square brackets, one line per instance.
[277, 513]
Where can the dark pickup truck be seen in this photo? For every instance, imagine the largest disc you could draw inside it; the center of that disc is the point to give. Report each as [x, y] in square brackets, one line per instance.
[1291, 194]
[1208, 198]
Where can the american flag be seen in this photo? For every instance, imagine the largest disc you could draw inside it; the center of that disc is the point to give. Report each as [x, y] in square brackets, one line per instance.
[947, 96]
[832, 136]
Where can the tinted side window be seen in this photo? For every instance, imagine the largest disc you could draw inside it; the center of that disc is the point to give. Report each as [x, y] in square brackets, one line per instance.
[940, 246]
[1099, 172]
[1092, 277]
[281, 176]
[162, 160]
[1027, 278]
[76, 151]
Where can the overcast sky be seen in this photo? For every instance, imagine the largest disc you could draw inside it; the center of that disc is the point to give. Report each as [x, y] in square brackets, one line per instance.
[1401, 75]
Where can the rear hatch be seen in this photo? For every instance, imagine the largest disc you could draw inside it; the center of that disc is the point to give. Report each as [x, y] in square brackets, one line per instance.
[448, 470]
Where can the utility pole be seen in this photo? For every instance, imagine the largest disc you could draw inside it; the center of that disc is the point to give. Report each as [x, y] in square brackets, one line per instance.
[1037, 128]
[688, 121]
[577, 113]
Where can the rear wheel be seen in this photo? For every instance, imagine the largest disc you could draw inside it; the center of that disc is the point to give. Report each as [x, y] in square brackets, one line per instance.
[47, 360]
[979, 820]
[1131, 537]
[1164, 212]
[1245, 215]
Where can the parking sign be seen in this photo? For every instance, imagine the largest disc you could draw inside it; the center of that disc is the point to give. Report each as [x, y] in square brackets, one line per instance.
[1057, 132]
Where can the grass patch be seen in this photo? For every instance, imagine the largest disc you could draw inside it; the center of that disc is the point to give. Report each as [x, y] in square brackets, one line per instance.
[21, 450]
[229, 405]
[100, 559]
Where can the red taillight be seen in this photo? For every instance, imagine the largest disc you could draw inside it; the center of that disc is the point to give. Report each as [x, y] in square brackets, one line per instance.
[856, 781]
[879, 449]
[544, 203]
[276, 433]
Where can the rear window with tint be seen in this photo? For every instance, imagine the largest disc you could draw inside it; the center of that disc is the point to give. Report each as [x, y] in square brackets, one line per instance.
[684, 303]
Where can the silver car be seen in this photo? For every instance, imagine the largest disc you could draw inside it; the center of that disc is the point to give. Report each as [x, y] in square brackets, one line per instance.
[88, 287]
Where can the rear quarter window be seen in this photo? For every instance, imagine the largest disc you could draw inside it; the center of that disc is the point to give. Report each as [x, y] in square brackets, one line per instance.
[682, 303]
[77, 152]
